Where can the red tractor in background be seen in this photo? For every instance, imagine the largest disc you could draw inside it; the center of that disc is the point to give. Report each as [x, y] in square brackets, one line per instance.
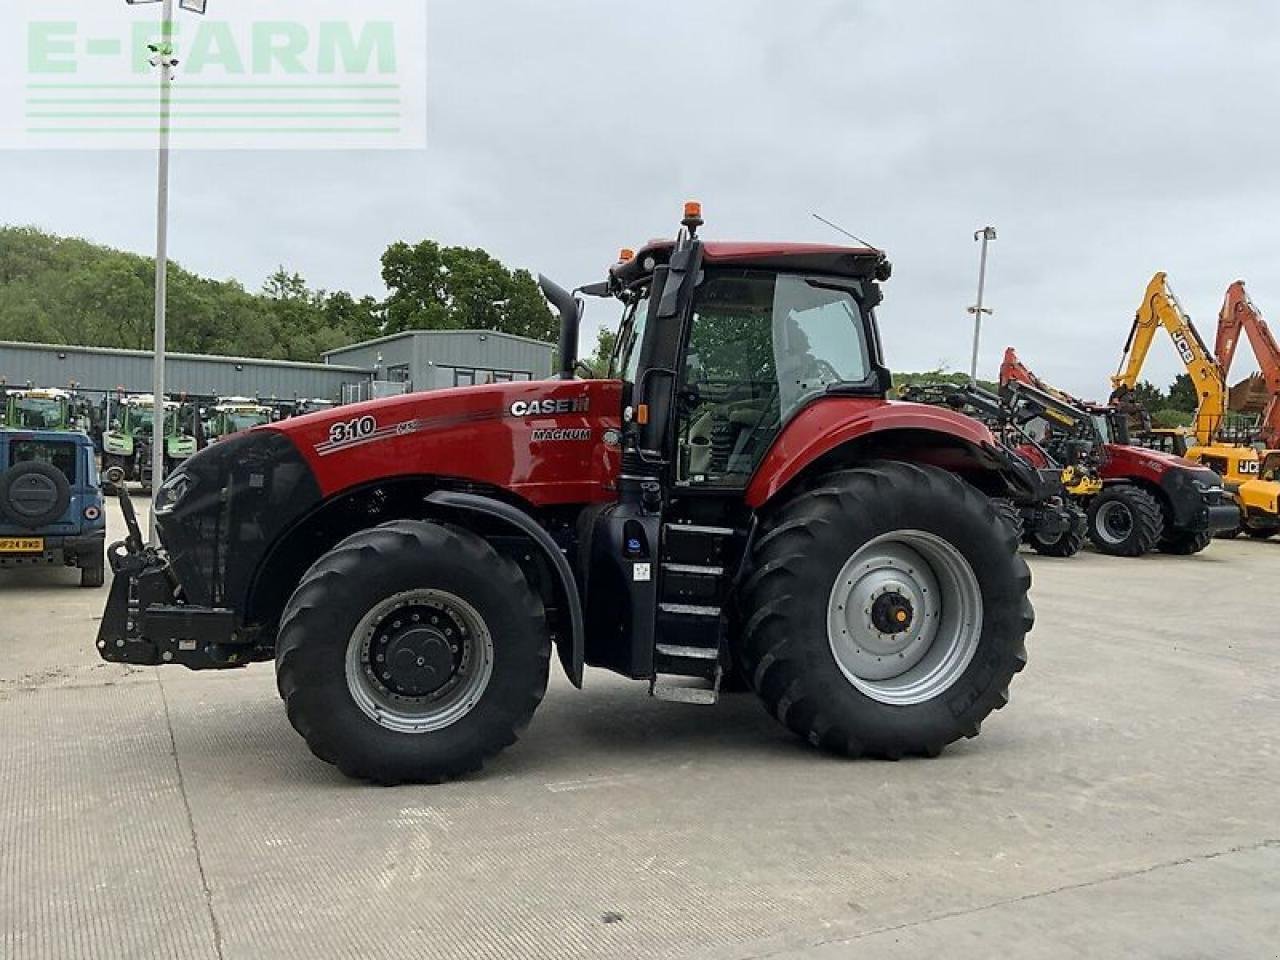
[1150, 500]
[738, 496]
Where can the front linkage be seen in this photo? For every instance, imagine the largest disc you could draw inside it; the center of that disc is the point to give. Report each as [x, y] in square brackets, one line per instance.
[146, 623]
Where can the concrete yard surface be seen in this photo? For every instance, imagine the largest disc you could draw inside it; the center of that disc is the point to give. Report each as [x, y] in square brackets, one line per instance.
[1123, 805]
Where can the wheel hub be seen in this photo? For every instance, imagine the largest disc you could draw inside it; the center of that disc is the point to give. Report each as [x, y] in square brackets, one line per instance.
[904, 617]
[891, 613]
[419, 661]
[416, 661]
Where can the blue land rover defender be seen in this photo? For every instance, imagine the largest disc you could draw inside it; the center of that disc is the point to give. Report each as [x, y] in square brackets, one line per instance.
[51, 509]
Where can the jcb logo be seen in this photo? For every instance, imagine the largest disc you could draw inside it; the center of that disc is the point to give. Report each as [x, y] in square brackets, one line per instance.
[1184, 348]
[1251, 467]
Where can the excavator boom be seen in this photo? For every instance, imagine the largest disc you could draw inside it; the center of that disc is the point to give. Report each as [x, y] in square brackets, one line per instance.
[1160, 308]
[1239, 313]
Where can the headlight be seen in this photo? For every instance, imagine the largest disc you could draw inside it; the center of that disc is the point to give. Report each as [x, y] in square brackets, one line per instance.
[172, 492]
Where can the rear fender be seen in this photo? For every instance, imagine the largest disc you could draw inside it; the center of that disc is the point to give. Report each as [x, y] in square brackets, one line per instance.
[840, 431]
[571, 648]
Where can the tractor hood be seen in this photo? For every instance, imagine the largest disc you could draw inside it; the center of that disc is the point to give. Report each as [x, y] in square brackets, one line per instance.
[545, 443]
[550, 441]
[1157, 461]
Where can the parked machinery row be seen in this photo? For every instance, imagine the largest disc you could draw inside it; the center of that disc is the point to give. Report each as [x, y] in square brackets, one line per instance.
[1240, 452]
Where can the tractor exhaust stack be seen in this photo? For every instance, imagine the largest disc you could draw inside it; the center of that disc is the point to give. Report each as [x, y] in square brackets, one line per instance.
[570, 310]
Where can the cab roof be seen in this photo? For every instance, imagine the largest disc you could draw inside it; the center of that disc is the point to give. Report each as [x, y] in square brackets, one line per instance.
[860, 263]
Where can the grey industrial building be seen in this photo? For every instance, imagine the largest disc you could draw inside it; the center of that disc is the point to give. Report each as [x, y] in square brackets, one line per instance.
[426, 360]
[104, 370]
[434, 359]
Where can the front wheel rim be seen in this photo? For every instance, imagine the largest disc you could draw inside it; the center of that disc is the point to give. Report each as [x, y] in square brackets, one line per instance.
[904, 617]
[419, 661]
[1114, 523]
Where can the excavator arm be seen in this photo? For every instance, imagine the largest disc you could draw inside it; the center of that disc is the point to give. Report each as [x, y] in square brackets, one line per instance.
[1160, 308]
[1239, 313]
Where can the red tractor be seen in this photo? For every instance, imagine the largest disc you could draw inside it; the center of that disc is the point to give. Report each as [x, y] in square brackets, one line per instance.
[1150, 499]
[738, 499]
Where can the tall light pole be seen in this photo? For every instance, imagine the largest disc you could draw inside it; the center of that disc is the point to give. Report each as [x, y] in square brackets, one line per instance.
[986, 235]
[164, 59]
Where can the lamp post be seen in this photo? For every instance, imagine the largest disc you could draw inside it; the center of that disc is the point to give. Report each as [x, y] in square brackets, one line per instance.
[986, 235]
[162, 57]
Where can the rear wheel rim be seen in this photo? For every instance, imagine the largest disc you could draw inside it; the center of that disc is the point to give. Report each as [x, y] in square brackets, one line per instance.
[419, 661]
[904, 617]
[1115, 522]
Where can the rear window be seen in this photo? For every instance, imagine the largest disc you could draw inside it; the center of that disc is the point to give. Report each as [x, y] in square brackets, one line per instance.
[57, 454]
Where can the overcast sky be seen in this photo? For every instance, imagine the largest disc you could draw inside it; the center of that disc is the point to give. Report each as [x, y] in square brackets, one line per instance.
[1105, 141]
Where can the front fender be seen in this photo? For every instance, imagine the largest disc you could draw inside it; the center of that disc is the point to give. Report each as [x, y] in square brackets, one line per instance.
[830, 423]
[572, 652]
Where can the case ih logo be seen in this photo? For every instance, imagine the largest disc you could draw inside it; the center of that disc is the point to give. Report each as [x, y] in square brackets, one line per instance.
[549, 408]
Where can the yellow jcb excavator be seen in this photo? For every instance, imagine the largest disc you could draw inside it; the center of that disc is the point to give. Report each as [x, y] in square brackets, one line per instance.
[1239, 466]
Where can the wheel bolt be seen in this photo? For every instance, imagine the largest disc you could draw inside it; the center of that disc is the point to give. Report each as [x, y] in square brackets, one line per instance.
[381, 657]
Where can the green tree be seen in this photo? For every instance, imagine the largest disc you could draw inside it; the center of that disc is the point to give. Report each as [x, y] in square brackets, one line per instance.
[449, 288]
[599, 361]
[1183, 395]
[1149, 396]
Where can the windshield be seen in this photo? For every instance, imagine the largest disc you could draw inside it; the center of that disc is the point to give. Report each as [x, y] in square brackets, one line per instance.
[626, 354]
[139, 420]
[1271, 467]
[39, 414]
[235, 422]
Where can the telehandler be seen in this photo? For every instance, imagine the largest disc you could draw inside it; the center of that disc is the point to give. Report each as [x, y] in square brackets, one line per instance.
[738, 493]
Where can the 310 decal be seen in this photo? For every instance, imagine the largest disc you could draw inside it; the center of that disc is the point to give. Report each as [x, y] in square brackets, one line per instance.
[351, 431]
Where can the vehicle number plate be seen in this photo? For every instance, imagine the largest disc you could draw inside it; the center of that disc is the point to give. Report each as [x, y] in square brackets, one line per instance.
[21, 545]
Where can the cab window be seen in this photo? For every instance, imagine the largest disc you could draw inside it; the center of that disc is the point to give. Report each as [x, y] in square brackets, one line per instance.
[58, 454]
[759, 346]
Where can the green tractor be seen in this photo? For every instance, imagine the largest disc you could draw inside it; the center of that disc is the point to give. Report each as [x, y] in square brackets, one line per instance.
[127, 445]
[43, 409]
[232, 415]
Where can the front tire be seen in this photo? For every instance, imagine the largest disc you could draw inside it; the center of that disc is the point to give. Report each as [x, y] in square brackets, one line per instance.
[1260, 533]
[1066, 544]
[412, 652]
[1185, 543]
[1125, 521]
[887, 611]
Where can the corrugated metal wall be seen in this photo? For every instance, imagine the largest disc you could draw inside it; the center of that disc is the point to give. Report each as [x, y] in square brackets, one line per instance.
[106, 370]
[433, 357]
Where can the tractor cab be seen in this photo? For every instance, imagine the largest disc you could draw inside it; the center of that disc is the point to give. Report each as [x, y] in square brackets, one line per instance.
[44, 409]
[232, 415]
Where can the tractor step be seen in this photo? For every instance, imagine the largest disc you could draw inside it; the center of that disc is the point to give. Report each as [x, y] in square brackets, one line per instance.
[686, 689]
[689, 609]
[688, 653]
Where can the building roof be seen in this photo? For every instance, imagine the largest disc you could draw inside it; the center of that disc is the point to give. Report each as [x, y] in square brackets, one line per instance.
[211, 357]
[438, 333]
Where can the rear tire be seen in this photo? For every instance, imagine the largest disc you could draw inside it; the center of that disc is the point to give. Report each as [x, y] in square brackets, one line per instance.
[926, 547]
[1125, 521]
[1184, 543]
[1008, 511]
[377, 623]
